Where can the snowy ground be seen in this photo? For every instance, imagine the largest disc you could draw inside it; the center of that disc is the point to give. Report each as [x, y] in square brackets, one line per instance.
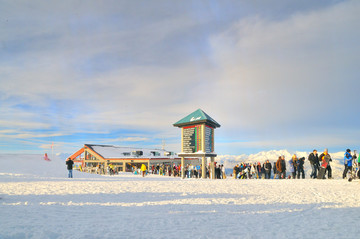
[37, 201]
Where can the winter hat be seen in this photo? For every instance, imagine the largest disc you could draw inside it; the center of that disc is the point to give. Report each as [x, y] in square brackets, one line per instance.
[348, 150]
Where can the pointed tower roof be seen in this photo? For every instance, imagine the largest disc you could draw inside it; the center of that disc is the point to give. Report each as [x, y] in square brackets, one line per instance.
[196, 117]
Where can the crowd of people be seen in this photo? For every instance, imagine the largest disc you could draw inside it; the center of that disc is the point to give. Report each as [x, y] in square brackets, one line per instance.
[320, 168]
[280, 169]
[265, 170]
[191, 171]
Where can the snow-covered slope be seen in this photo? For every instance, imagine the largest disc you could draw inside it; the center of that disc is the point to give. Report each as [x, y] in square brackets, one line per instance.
[33, 166]
[38, 201]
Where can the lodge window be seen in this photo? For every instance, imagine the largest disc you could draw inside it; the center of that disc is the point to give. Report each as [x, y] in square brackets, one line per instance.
[137, 153]
[154, 153]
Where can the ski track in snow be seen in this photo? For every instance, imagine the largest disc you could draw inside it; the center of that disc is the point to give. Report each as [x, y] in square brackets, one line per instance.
[128, 206]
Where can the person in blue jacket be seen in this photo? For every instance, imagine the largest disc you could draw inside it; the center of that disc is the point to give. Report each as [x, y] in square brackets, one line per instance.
[347, 162]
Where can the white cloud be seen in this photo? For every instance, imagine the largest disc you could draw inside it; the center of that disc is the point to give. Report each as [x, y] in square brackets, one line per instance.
[129, 139]
[290, 83]
[20, 135]
[279, 73]
[264, 81]
[23, 124]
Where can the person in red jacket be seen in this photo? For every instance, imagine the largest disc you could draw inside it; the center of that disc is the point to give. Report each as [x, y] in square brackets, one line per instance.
[328, 168]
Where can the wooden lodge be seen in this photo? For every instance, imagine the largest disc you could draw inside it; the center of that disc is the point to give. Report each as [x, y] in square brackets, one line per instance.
[96, 158]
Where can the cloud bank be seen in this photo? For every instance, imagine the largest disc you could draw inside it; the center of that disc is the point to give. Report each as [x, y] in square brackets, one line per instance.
[273, 75]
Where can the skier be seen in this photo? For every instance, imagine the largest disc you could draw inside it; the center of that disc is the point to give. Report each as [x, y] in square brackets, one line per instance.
[314, 162]
[69, 164]
[347, 162]
[46, 158]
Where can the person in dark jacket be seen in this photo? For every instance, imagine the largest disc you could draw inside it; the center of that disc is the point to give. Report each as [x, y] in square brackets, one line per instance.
[295, 164]
[275, 170]
[314, 162]
[236, 171]
[217, 172]
[267, 167]
[70, 164]
[300, 168]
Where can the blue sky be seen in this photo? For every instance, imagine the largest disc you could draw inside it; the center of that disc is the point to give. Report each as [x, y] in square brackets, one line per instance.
[275, 74]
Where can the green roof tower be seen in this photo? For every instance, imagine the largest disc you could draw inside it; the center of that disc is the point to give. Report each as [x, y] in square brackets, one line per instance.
[197, 138]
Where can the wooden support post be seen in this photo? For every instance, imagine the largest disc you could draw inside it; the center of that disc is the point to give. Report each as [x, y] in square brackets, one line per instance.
[203, 167]
[182, 168]
[212, 168]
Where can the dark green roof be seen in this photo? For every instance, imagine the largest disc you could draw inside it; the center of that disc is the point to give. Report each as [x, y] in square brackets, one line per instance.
[197, 117]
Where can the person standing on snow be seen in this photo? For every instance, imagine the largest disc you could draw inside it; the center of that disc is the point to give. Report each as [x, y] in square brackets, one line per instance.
[292, 169]
[295, 163]
[314, 162]
[300, 168]
[328, 168]
[275, 171]
[358, 165]
[347, 162]
[267, 167]
[236, 171]
[70, 164]
[252, 171]
[258, 170]
[143, 170]
[281, 167]
[223, 172]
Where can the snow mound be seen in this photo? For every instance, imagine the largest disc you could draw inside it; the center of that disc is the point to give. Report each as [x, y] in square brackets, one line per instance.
[34, 165]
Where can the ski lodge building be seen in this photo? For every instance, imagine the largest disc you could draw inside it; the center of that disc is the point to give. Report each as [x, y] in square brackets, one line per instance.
[124, 159]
